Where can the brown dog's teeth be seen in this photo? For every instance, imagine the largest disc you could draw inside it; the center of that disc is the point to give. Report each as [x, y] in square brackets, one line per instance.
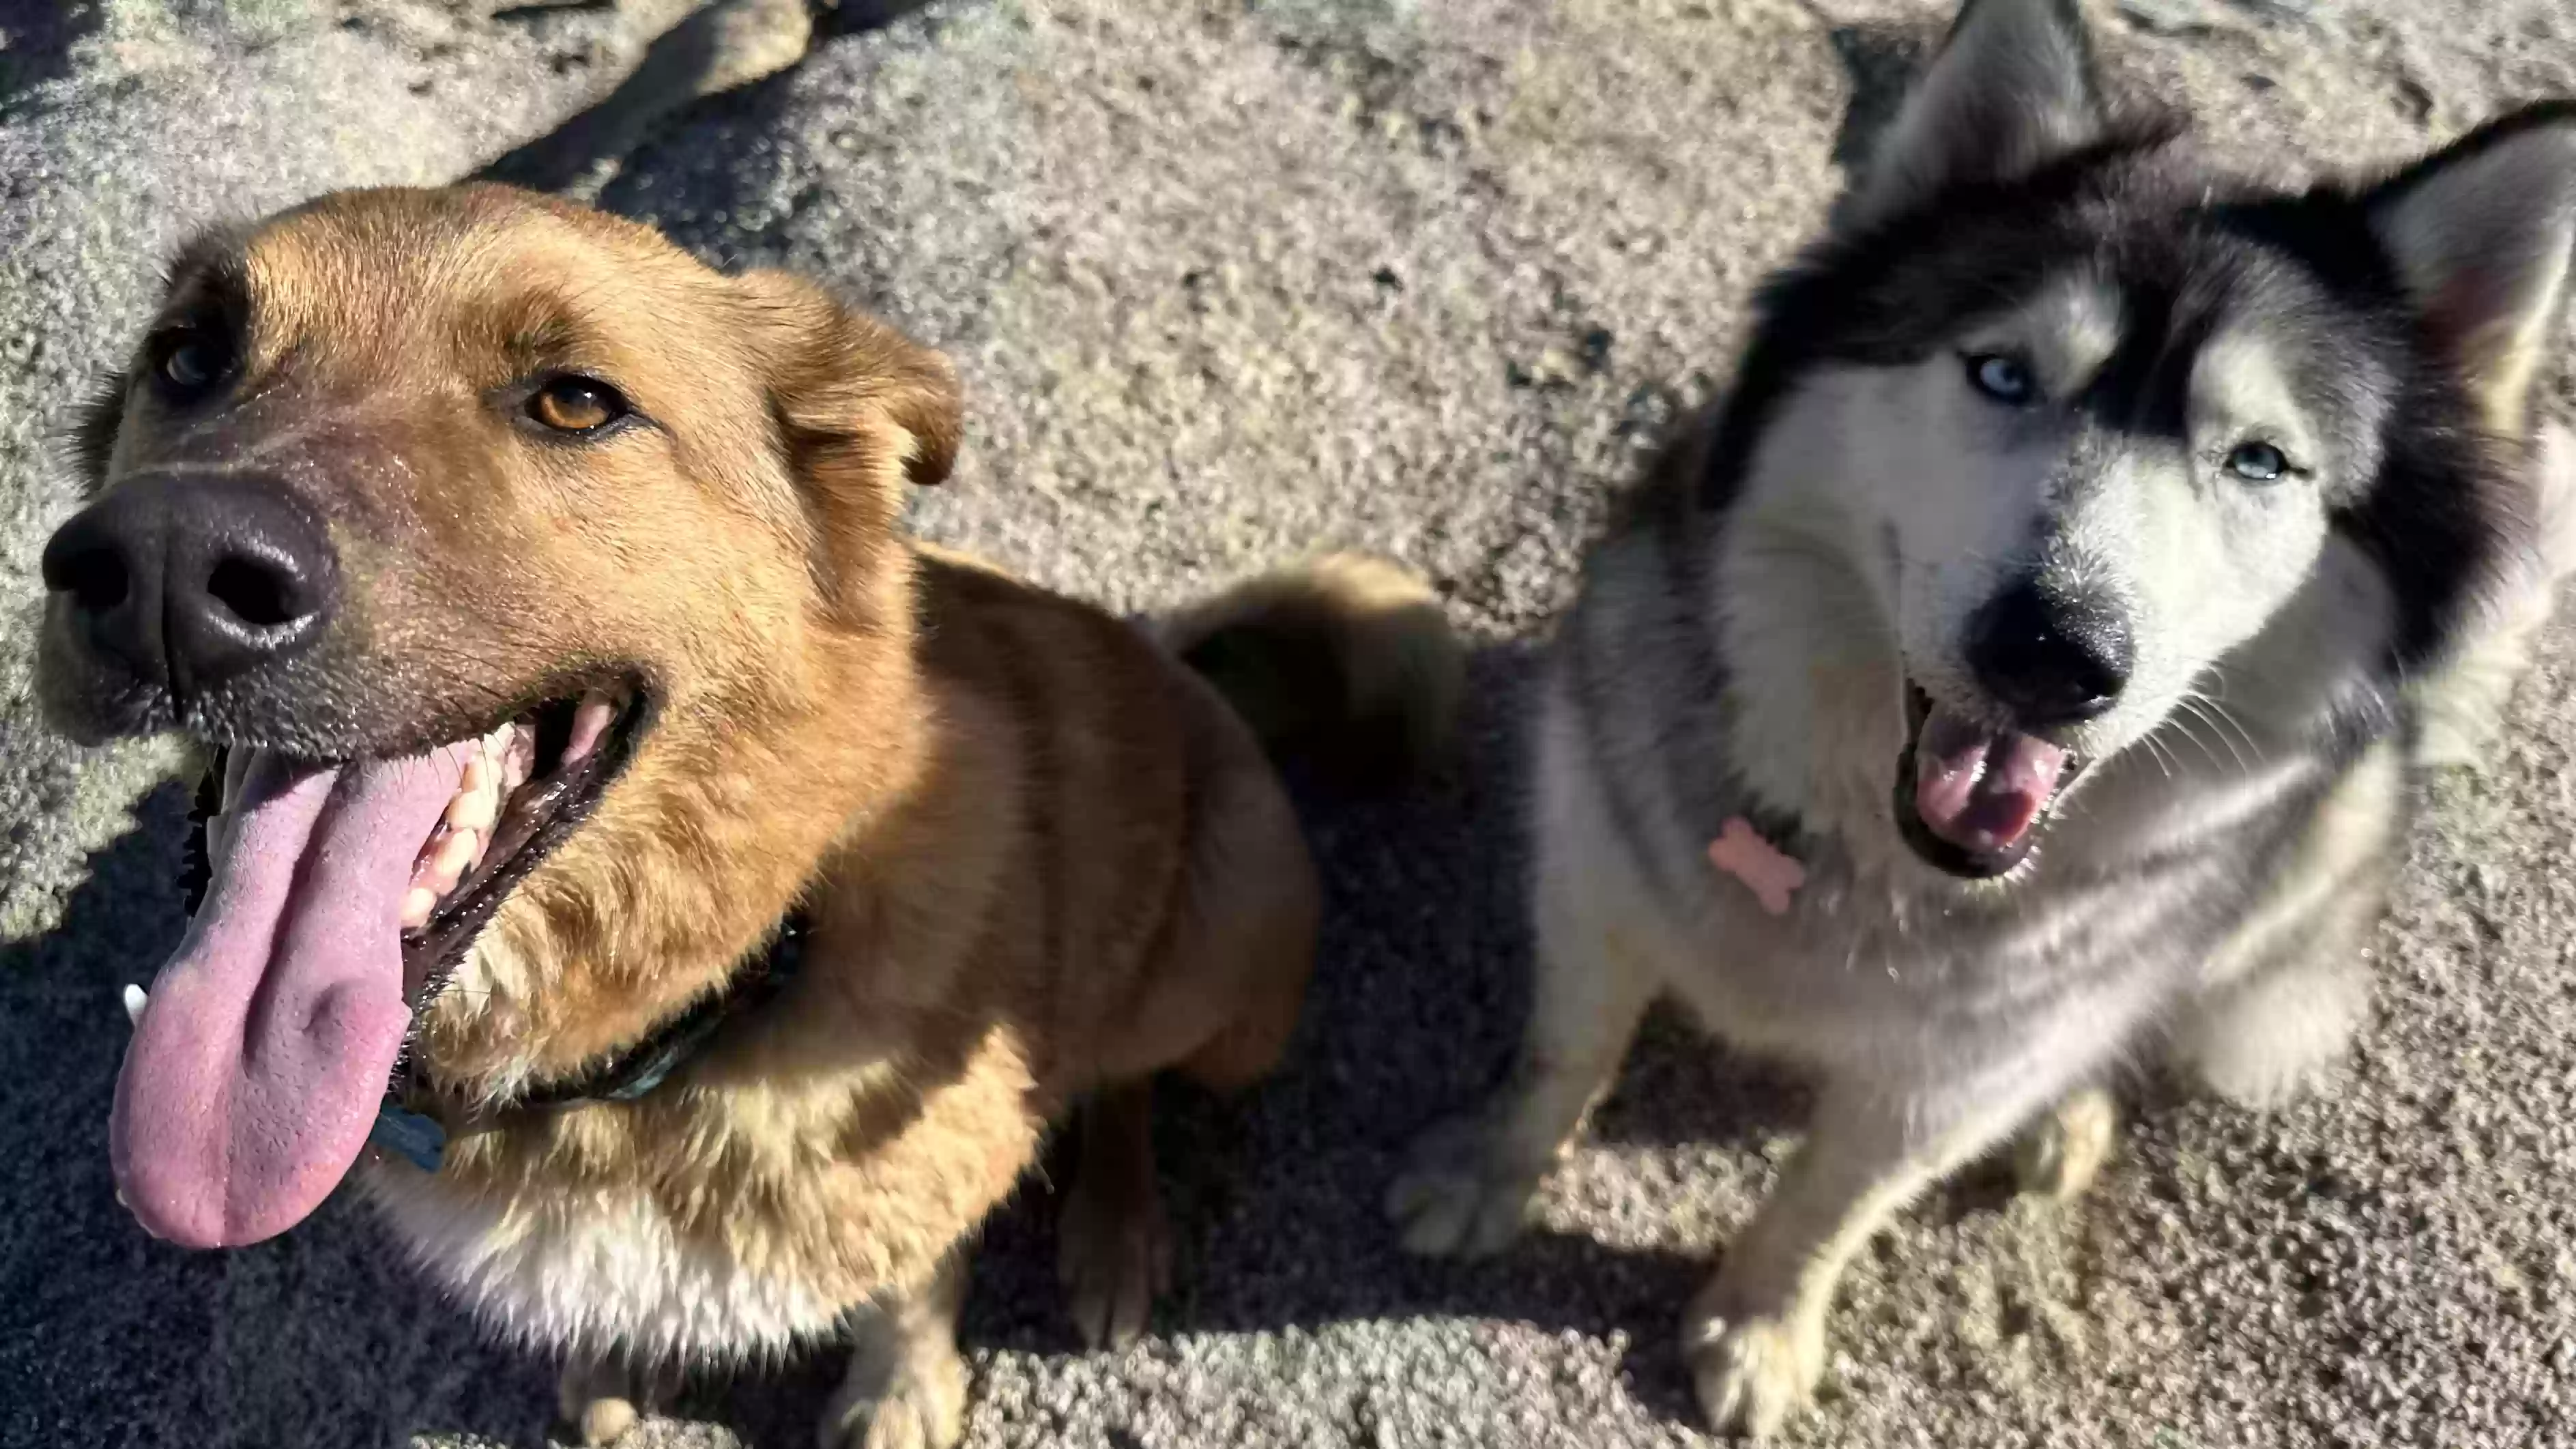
[501, 807]
[528, 812]
[478, 796]
[236, 766]
[518, 755]
[590, 722]
[455, 853]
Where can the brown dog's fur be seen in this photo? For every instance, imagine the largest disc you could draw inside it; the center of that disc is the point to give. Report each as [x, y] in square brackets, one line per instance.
[1041, 861]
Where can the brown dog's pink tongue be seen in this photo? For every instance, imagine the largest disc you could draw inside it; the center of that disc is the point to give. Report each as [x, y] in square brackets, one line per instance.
[1979, 787]
[257, 1067]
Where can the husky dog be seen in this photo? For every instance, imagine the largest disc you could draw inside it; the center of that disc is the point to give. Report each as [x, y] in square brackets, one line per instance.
[2030, 659]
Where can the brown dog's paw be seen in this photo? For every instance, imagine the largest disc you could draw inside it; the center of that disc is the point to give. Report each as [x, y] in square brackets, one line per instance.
[919, 1406]
[603, 1402]
[605, 1421]
[1114, 1254]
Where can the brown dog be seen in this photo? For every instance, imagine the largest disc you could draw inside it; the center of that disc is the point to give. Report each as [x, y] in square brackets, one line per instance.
[543, 590]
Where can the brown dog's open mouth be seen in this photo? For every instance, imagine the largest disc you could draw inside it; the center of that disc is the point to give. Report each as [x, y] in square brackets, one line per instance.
[521, 791]
[338, 897]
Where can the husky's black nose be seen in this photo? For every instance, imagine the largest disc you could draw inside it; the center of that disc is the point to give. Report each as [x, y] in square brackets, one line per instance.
[188, 581]
[2051, 657]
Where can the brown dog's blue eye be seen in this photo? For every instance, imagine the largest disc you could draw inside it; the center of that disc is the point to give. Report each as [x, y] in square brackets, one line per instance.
[577, 405]
[2257, 462]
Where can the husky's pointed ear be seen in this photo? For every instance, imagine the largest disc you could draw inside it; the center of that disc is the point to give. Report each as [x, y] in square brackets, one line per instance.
[2483, 233]
[2011, 86]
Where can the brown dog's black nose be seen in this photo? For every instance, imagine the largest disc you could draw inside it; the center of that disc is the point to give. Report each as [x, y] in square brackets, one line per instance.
[2052, 658]
[187, 581]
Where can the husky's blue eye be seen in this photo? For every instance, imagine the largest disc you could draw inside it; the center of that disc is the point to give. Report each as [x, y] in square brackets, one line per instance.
[2257, 462]
[2005, 379]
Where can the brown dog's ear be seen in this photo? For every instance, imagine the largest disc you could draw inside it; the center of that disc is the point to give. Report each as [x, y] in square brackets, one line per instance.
[851, 392]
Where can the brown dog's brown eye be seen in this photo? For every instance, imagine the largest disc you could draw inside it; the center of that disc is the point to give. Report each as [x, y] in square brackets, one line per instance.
[191, 360]
[576, 405]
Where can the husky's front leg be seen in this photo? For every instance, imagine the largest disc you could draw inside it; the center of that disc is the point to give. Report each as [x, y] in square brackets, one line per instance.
[1470, 1179]
[2060, 1153]
[1755, 1336]
[906, 1386]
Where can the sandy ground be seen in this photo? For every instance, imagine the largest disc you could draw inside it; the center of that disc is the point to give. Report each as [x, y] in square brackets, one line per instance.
[1230, 280]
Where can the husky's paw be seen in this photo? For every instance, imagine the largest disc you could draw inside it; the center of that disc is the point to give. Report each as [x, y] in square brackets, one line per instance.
[1752, 1372]
[1461, 1197]
[2058, 1155]
[922, 1406]
[1115, 1258]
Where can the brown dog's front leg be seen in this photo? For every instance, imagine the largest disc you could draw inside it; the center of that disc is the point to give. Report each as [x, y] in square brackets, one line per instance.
[1114, 1246]
[602, 1397]
[906, 1386]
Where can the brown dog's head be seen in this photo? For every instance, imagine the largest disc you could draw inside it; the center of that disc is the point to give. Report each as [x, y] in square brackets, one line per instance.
[507, 552]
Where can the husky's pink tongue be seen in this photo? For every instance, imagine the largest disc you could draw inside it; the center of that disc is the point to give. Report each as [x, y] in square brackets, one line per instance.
[257, 1067]
[1979, 787]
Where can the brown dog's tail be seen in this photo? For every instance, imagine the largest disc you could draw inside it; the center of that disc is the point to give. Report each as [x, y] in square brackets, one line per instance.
[1344, 663]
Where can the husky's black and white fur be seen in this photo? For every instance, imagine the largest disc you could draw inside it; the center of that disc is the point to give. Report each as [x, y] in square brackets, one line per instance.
[2090, 550]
